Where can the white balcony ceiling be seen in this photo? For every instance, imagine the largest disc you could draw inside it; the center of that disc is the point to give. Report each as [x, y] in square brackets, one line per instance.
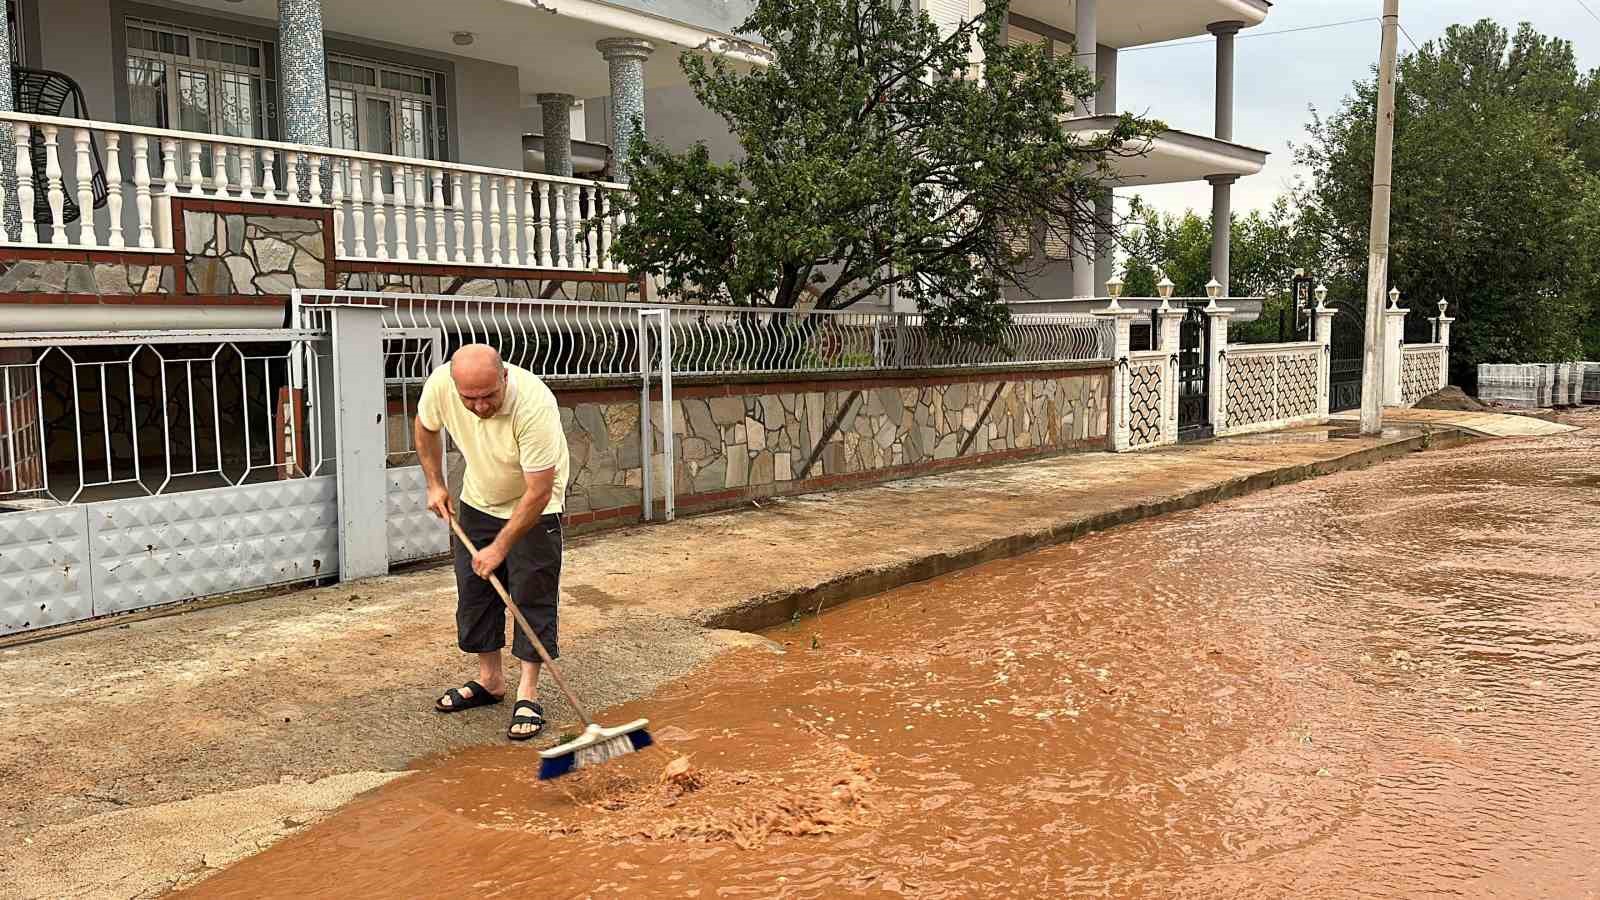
[1130, 23]
[553, 51]
[1175, 156]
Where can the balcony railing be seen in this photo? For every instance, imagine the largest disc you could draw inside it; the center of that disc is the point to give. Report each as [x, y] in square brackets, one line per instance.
[123, 180]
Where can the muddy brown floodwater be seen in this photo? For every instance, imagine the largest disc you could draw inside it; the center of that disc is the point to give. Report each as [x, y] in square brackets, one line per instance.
[1382, 683]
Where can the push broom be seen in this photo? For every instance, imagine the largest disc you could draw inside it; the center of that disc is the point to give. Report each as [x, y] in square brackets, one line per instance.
[597, 744]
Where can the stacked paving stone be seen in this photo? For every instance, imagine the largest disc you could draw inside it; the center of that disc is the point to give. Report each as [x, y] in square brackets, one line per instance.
[1540, 385]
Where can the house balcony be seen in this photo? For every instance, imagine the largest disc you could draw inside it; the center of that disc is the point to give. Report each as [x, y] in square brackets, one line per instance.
[119, 214]
[1171, 156]
[466, 148]
[1121, 24]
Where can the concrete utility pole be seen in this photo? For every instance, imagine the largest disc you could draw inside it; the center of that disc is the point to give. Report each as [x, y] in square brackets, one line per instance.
[1372, 374]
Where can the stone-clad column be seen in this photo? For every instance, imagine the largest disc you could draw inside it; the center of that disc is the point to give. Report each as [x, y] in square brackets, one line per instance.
[557, 117]
[626, 57]
[8, 144]
[303, 74]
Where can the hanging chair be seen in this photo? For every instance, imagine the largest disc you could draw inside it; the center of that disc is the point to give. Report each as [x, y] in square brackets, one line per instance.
[46, 93]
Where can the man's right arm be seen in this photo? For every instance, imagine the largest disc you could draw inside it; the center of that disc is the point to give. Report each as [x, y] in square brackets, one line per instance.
[430, 447]
[430, 453]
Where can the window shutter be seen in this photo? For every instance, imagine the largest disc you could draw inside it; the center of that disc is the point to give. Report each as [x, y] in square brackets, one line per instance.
[947, 14]
[1016, 36]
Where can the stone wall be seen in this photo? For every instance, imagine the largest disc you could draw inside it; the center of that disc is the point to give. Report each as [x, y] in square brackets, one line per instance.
[103, 278]
[247, 255]
[736, 442]
[253, 251]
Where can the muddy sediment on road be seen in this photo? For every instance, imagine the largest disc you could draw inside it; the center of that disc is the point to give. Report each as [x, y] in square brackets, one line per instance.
[148, 721]
[1381, 682]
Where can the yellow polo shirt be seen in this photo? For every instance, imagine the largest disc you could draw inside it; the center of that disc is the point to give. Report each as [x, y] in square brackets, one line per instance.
[524, 436]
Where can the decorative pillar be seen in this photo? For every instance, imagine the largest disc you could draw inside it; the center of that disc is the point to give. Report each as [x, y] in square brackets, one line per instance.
[1394, 339]
[1118, 434]
[1224, 32]
[556, 110]
[626, 57]
[11, 217]
[1441, 336]
[1324, 335]
[1086, 41]
[1217, 387]
[1221, 226]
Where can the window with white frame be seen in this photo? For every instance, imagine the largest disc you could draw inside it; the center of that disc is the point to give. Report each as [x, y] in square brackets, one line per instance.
[196, 80]
[384, 108]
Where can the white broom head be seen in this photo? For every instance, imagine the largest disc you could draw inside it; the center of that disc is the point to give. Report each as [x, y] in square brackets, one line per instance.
[595, 746]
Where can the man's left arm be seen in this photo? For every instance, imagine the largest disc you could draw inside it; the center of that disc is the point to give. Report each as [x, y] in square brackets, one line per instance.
[535, 497]
[541, 445]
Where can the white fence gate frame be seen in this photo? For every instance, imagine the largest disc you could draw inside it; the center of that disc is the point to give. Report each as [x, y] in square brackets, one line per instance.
[269, 519]
[413, 532]
[656, 323]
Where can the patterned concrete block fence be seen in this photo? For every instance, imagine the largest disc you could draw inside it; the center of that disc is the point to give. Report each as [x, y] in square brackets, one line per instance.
[1424, 369]
[1273, 386]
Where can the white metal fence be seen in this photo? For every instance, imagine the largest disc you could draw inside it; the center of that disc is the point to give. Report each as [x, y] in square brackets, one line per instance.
[104, 186]
[92, 416]
[561, 339]
[139, 468]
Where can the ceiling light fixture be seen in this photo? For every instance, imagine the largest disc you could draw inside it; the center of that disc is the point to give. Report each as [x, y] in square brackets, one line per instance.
[462, 38]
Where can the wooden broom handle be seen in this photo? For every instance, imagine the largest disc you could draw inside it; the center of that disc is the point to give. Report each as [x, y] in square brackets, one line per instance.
[505, 597]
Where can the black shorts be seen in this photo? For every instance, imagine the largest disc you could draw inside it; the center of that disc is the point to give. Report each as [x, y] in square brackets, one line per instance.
[531, 572]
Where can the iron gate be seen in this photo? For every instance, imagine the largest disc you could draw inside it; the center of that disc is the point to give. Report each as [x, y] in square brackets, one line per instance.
[1346, 359]
[1194, 376]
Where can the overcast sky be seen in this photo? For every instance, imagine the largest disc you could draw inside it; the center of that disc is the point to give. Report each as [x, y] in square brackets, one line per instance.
[1277, 76]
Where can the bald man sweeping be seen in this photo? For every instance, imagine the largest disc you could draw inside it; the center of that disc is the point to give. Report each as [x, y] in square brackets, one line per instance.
[506, 424]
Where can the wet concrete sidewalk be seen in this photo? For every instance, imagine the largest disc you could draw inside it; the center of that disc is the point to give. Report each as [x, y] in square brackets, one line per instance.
[140, 756]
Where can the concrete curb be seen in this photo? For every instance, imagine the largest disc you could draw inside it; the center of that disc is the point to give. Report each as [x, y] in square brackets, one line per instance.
[776, 608]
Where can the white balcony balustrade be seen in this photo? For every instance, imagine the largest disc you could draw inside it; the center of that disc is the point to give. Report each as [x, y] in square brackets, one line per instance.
[98, 186]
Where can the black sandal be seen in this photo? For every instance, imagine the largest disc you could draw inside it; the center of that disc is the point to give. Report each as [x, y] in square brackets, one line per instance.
[534, 716]
[459, 702]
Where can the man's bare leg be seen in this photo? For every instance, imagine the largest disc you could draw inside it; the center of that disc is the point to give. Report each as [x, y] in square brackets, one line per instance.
[527, 689]
[491, 674]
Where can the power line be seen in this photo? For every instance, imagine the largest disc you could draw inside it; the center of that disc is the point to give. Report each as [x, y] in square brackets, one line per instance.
[1588, 10]
[1408, 39]
[1252, 34]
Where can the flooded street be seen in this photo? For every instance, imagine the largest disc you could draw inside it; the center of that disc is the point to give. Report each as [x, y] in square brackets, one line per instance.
[1380, 683]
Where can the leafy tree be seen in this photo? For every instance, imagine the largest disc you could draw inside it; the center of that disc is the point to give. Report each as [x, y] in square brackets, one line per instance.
[1496, 142]
[1266, 248]
[873, 155]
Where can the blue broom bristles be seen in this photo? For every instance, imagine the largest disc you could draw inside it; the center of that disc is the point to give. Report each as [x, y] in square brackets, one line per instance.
[594, 754]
